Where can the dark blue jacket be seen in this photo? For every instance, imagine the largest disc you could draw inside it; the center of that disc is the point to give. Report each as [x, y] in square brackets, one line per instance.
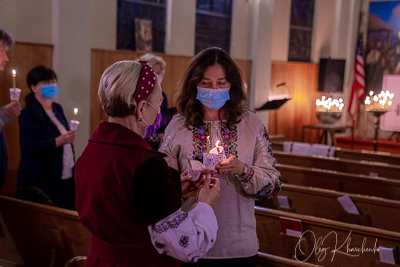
[3, 160]
[41, 162]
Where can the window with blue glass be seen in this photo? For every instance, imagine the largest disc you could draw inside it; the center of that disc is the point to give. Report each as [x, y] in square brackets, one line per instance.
[301, 26]
[128, 10]
[213, 24]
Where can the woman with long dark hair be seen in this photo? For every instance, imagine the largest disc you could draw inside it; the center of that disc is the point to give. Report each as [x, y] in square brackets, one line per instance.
[210, 104]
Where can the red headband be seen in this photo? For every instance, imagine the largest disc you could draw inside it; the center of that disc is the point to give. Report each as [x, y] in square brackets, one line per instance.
[146, 82]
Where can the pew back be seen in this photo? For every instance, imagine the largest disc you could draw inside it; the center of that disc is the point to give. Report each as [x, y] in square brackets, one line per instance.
[38, 235]
[339, 181]
[344, 153]
[323, 242]
[375, 212]
[341, 165]
[276, 261]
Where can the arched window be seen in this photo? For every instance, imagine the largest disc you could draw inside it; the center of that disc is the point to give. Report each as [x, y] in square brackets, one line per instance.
[129, 10]
[213, 24]
[301, 27]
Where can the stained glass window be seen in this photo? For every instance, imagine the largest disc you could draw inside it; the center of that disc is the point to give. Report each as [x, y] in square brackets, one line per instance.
[213, 24]
[128, 10]
[301, 26]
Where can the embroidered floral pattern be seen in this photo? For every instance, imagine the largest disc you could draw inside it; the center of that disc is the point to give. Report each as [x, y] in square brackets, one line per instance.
[269, 190]
[248, 176]
[229, 139]
[266, 137]
[159, 245]
[184, 241]
[200, 141]
[172, 224]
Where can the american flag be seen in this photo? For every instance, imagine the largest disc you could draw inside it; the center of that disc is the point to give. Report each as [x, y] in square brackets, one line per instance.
[358, 88]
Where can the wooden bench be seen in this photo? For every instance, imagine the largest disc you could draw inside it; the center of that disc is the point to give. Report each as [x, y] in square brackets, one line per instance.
[33, 234]
[344, 153]
[276, 261]
[340, 181]
[341, 165]
[320, 239]
[374, 212]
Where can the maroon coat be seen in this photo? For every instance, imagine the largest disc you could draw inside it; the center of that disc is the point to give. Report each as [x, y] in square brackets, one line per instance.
[122, 186]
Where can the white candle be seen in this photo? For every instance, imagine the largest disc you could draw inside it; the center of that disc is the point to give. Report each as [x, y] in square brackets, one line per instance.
[14, 74]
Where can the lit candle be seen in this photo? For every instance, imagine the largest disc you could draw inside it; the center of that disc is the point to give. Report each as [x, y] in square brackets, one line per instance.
[74, 123]
[208, 144]
[14, 74]
[75, 112]
[216, 145]
[381, 102]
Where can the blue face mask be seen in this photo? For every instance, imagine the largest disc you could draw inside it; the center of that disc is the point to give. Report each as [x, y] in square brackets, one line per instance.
[49, 91]
[213, 98]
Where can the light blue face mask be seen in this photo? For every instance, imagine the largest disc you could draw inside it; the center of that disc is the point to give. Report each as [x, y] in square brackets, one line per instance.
[213, 98]
[49, 91]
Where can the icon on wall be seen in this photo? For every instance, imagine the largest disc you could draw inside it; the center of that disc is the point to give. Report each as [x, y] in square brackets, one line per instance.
[143, 35]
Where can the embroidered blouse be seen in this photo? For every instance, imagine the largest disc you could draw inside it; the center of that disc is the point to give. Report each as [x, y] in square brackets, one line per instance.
[249, 142]
[195, 232]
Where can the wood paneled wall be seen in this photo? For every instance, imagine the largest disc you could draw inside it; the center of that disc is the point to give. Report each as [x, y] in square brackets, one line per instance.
[176, 65]
[301, 79]
[23, 57]
[302, 82]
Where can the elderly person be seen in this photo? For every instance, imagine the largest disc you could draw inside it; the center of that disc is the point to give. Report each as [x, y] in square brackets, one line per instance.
[158, 65]
[127, 196]
[9, 111]
[210, 105]
[47, 153]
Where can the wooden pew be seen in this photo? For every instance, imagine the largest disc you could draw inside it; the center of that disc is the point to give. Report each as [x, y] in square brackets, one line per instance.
[33, 234]
[341, 165]
[340, 181]
[374, 212]
[276, 261]
[323, 242]
[345, 153]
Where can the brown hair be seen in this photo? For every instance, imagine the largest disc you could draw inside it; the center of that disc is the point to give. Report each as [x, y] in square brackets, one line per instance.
[6, 38]
[187, 104]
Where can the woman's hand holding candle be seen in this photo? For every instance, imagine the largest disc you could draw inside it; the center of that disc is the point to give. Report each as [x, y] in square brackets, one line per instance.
[231, 165]
[189, 187]
[13, 109]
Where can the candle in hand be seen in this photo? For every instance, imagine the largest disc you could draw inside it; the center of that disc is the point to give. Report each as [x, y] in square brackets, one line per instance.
[216, 145]
[14, 74]
[74, 123]
[208, 144]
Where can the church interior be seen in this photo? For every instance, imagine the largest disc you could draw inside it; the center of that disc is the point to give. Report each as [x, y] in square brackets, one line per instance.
[338, 155]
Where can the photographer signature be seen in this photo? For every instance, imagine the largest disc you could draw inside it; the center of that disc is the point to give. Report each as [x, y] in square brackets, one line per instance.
[321, 251]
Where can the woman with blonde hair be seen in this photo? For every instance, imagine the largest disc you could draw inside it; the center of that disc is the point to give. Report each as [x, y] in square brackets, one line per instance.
[127, 196]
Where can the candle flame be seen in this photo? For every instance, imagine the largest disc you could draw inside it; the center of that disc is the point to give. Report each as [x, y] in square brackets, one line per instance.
[14, 72]
[217, 143]
[75, 111]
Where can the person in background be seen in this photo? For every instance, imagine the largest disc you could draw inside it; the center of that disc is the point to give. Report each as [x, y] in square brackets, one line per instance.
[158, 65]
[210, 105]
[47, 153]
[9, 111]
[127, 196]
